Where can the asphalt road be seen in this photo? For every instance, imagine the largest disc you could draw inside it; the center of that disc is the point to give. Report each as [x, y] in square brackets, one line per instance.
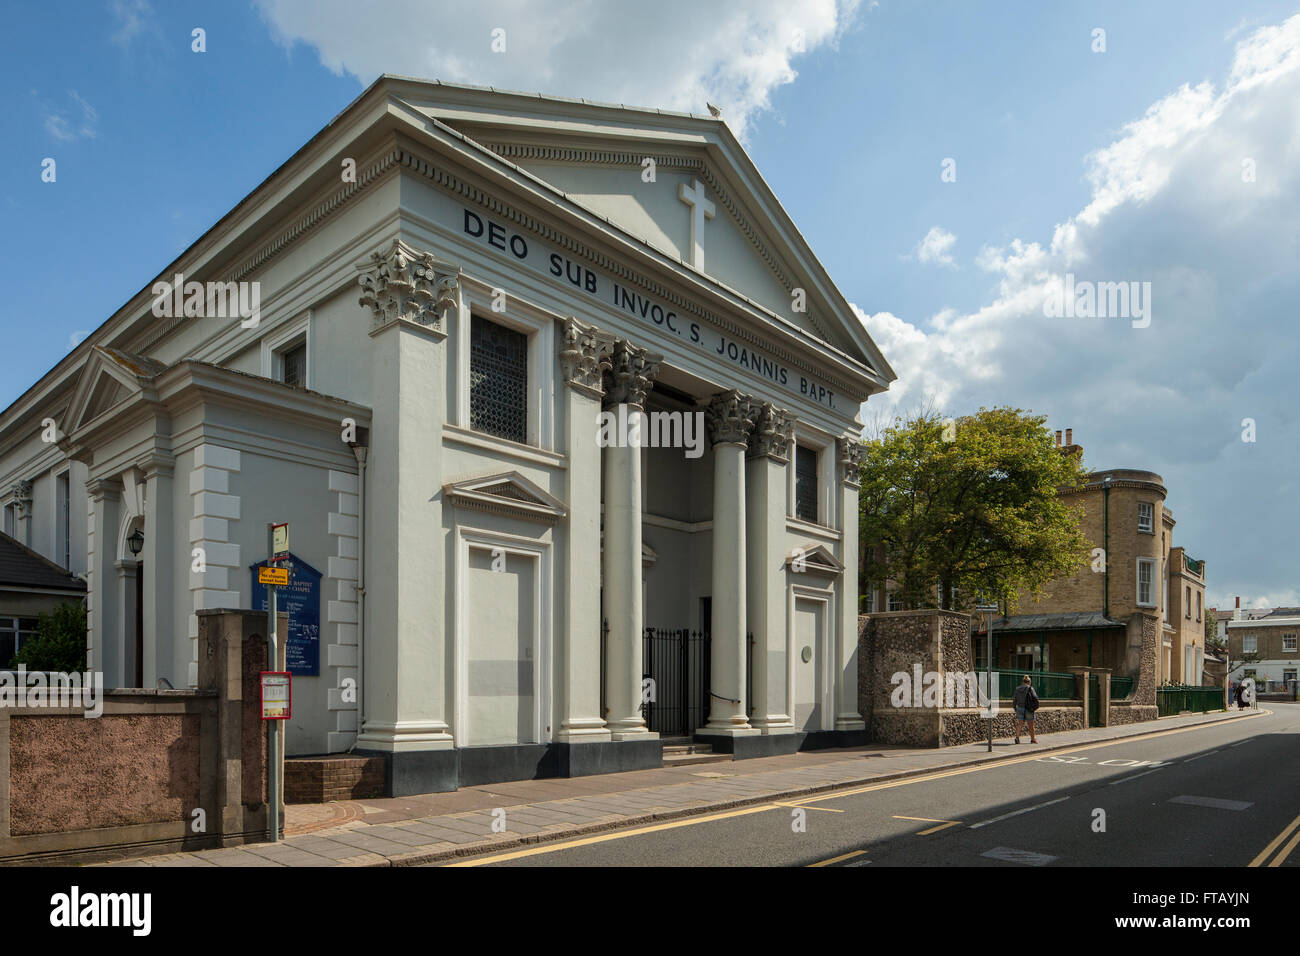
[1226, 794]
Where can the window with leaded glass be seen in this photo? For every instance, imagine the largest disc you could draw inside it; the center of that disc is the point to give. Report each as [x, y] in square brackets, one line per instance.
[805, 483]
[498, 380]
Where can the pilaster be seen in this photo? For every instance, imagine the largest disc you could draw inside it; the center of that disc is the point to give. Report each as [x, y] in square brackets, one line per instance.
[847, 717]
[585, 355]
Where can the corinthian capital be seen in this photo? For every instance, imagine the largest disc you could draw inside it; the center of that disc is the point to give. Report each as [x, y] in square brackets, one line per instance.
[405, 284]
[730, 418]
[585, 355]
[21, 492]
[773, 429]
[632, 373]
[850, 449]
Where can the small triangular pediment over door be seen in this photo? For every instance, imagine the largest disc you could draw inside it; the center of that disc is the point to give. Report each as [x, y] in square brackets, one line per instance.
[508, 493]
[813, 559]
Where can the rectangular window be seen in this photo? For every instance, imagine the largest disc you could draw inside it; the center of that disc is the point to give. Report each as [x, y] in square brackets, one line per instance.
[1146, 517]
[805, 483]
[1146, 574]
[11, 521]
[294, 364]
[895, 602]
[13, 632]
[1249, 644]
[1198, 605]
[1288, 643]
[498, 380]
[62, 518]
[1187, 605]
[869, 601]
[1288, 674]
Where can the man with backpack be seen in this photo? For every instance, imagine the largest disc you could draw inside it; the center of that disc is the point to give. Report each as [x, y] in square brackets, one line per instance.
[1026, 702]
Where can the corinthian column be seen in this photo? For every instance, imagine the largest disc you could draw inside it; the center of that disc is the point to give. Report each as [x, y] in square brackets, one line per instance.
[765, 577]
[584, 358]
[632, 372]
[730, 418]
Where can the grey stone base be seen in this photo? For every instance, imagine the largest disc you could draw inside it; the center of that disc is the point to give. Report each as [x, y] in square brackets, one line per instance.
[417, 771]
[440, 771]
[771, 745]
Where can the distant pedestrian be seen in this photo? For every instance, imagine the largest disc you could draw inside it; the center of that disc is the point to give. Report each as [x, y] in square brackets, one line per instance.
[1026, 702]
[1236, 694]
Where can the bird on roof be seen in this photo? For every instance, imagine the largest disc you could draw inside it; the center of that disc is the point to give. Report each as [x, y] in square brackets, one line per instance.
[717, 113]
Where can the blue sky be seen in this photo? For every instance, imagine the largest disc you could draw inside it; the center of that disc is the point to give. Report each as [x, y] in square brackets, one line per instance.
[1115, 165]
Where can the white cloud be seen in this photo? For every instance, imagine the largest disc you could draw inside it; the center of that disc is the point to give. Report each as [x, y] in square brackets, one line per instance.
[131, 18]
[81, 121]
[1169, 204]
[935, 246]
[672, 54]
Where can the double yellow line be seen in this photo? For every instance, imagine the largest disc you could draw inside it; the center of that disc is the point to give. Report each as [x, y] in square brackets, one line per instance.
[1292, 827]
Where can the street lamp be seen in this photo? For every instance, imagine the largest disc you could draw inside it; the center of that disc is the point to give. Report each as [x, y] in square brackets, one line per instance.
[135, 541]
[991, 611]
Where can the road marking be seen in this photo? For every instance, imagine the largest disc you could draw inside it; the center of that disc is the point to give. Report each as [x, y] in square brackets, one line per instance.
[844, 856]
[1286, 851]
[1277, 840]
[924, 819]
[1016, 813]
[604, 837]
[1116, 783]
[1213, 802]
[1011, 855]
[1240, 742]
[1199, 756]
[798, 806]
[942, 826]
[905, 781]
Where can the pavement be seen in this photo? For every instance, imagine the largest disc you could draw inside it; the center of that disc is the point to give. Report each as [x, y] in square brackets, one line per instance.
[490, 819]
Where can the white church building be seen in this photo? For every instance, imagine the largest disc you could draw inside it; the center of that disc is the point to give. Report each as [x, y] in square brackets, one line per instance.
[402, 343]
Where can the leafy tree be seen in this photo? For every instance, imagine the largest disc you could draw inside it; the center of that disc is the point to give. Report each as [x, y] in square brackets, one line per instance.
[971, 503]
[59, 643]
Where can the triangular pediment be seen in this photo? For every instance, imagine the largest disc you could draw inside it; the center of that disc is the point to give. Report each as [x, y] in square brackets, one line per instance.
[813, 559]
[110, 378]
[508, 493]
[597, 157]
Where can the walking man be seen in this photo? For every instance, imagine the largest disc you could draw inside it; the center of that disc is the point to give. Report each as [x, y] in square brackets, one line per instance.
[1026, 702]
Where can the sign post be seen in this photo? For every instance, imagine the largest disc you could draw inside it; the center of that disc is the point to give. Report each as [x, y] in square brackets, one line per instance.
[277, 543]
[991, 610]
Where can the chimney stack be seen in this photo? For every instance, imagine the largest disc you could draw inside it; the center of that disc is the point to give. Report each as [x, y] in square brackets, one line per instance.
[1239, 601]
[1069, 436]
[1058, 438]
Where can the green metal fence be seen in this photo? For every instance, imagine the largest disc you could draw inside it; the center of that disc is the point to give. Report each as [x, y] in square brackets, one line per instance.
[1049, 685]
[1120, 687]
[1176, 698]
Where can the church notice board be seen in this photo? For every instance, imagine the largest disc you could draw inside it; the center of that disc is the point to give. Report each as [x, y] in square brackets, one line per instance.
[301, 599]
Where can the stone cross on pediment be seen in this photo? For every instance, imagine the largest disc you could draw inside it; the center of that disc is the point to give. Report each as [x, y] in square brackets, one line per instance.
[697, 197]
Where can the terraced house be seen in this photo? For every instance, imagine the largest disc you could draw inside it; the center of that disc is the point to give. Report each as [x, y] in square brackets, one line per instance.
[425, 311]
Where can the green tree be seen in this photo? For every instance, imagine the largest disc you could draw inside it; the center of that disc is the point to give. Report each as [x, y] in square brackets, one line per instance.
[59, 643]
[970, 503]
[1212, 630]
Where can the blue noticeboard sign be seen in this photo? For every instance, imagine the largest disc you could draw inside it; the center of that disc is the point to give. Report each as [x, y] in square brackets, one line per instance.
[301, 599]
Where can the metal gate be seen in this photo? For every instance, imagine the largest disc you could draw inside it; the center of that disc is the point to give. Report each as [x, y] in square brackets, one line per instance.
[1094, 700]
[677, 662]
